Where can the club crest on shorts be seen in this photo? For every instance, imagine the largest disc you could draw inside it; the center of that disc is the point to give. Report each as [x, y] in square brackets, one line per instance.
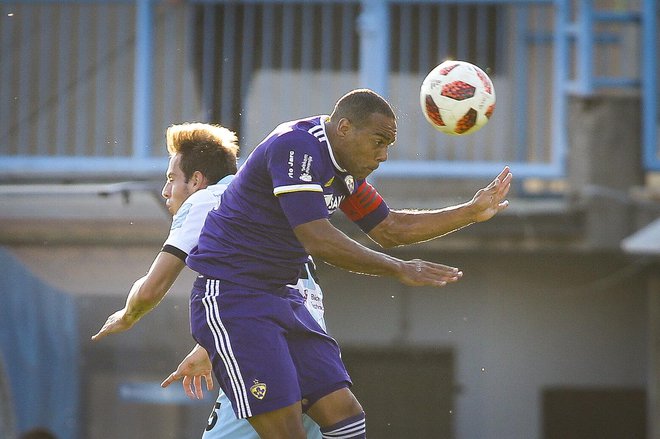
[258, 389]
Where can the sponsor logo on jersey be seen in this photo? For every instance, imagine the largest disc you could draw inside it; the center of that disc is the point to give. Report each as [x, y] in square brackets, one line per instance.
[305, 168]
[329, 182]
[258, 389]
[290, 163]
[332, 201]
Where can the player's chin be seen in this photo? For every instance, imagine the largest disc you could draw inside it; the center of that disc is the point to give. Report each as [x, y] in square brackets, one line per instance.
[367, 172]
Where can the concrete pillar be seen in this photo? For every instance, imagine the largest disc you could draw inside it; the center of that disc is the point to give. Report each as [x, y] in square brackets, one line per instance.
[604, 162]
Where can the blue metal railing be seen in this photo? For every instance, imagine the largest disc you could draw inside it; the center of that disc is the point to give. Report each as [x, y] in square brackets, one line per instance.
[94, 100]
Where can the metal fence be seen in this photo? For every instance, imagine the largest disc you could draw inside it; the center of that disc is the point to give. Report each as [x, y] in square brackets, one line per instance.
[87, 88]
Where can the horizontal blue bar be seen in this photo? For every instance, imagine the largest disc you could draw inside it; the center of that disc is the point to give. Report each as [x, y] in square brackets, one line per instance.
[92, 167]
[431, 169]
[150, 392]
[465, 2]
[575, 87]
[148, 168]
[549, 38]
[618, 16]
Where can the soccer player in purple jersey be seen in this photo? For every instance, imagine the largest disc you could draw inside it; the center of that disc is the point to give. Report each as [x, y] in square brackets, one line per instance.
[271, 358]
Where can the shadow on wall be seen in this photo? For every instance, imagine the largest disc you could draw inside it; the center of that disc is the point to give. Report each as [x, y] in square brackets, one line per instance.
[38, 351]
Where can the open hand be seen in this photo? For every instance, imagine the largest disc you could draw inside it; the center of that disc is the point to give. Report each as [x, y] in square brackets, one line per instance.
[191, 370]
[487, 202]
[418, 272]
[117, 322]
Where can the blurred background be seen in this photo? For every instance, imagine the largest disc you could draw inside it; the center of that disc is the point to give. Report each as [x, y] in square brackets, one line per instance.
[552, 333]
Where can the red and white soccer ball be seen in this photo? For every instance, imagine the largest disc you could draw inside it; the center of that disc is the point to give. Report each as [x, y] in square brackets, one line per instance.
[457, 98]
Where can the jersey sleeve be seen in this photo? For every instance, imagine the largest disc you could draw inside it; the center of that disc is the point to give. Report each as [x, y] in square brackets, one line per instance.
[186, 227]
[294, 164]
[365, 207]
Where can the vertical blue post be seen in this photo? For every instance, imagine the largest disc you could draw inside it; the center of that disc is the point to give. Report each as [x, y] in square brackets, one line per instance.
[650, 85]
[585, 48]
[373, 26]
[560, 92]
[521, 77]
[142, 78]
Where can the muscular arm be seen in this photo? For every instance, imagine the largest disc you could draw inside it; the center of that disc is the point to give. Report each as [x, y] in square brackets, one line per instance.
[411, 226]
[325, 242]
[145, 294]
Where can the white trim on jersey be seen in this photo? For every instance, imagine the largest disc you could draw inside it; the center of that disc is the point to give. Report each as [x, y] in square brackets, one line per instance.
[319, 132]
[297, 188]
[224, 349]
[332, 155]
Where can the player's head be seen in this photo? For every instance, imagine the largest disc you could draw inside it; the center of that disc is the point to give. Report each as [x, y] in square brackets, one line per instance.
[200, 155]
[361, 129]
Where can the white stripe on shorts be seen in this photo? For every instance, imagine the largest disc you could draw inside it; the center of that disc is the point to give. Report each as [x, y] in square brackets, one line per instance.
[224, 349]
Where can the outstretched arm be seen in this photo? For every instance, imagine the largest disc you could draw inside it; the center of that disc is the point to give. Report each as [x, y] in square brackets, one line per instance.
[412, 226]
[325, 242]
[145, 294]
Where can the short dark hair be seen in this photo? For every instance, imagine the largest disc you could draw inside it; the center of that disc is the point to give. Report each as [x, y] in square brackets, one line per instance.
[358, 105]
[209, 149]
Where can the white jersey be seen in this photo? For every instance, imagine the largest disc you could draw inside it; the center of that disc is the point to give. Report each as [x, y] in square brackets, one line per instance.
[189, 219]
[184, 235]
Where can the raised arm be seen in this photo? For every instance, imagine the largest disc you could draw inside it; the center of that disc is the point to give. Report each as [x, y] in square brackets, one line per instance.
[145, 294]
[403, 227]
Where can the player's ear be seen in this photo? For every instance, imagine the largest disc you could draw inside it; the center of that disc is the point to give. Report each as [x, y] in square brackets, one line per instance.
[343, 126]
[199, 180]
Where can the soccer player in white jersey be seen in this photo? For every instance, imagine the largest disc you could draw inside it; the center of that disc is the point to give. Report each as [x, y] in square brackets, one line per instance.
[202, 162]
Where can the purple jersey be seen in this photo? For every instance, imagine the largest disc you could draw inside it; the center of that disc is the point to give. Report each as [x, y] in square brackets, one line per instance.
[291, 178]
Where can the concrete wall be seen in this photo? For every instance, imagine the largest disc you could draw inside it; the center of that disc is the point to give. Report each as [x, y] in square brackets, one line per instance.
[517, 323]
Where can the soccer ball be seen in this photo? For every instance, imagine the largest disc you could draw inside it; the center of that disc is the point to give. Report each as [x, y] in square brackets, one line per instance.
[457, 98]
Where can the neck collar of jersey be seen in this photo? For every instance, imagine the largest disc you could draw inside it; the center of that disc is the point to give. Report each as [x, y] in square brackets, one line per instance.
[324, 120]
[226, 179]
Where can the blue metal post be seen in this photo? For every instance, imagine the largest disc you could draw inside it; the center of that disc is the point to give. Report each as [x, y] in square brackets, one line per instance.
[650, 85]
[560, 92]
[521, 78]
[142, 78]
[585, 48]
[374, 27]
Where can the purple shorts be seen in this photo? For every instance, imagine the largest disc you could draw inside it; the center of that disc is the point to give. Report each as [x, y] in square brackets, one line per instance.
[267, 350]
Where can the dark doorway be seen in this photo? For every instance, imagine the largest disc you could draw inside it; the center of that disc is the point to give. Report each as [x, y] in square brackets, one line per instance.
[594, 413]
[406, 393]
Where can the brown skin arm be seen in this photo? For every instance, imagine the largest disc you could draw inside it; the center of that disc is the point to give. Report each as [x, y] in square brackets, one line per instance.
[325, 242]
[408, 227]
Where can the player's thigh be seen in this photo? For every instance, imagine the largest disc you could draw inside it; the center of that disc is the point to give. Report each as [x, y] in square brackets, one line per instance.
[335, 407]
[283, 423]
